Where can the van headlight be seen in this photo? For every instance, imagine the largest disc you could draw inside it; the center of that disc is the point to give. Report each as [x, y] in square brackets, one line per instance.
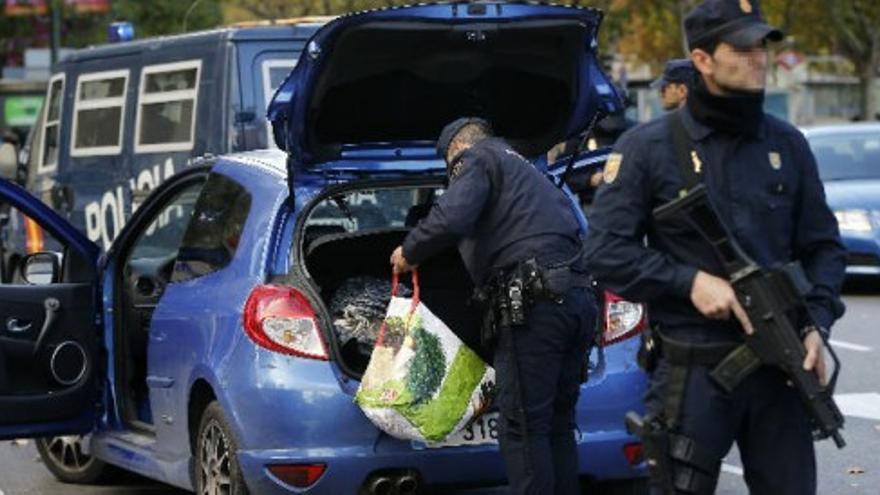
[854, 220]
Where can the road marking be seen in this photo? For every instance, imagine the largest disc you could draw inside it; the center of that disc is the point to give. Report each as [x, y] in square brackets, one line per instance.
[730, 468]
[850, 346]
[865, 406]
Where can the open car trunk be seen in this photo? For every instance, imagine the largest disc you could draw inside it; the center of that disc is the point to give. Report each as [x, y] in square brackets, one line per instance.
[396, 76]
[334, 258]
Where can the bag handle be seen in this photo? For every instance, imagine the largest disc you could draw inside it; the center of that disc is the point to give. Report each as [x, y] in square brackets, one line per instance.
[395, 287]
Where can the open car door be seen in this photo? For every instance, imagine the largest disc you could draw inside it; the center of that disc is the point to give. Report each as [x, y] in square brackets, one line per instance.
[49, 330]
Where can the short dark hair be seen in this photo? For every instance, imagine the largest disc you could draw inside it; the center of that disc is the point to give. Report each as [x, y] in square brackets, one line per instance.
[472, 133]
[708, 45]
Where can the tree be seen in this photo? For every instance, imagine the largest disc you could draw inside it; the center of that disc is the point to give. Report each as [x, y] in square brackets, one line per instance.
[279, 9]
[163, 17]
[857, 27]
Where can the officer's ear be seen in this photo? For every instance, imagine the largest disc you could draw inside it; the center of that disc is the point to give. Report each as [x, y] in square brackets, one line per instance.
[703, 61]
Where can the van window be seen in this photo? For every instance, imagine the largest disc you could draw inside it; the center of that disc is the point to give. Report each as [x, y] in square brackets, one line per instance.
[274, 73]
[98, 113]
[166, 107]
[51, 124]
[213, 234]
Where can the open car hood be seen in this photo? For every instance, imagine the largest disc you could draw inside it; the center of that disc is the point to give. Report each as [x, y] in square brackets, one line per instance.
[394, 78]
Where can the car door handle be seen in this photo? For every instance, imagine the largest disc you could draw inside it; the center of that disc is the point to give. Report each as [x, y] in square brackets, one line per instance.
[51, 306]
[14, 325]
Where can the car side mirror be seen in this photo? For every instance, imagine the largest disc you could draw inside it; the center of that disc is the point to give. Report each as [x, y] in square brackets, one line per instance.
[8, 161]
[41, 268]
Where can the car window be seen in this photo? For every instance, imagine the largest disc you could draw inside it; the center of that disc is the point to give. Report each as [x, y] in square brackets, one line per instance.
[48, 155]
[853, 155]
[98, 113]
[370, 209]
[37, 240]
[166, 107]
[159, 242]
[274, 73]
[213, 234]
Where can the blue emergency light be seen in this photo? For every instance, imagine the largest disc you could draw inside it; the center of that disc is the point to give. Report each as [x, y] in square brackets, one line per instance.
[120, 31]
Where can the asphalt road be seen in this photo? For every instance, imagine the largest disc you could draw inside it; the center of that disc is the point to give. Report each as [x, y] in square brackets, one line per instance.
[854, 470]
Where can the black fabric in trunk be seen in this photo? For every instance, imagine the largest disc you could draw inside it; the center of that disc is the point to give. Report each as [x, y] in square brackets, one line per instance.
[446, 287]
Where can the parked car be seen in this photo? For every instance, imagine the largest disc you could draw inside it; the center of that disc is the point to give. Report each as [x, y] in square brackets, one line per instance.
[848, 157]
[200, 350]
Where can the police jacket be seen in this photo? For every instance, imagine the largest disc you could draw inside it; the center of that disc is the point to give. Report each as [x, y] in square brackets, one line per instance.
[766, 189]
[499, 210]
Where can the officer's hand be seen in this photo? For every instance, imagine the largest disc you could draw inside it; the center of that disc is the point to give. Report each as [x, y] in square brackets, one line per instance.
[714, 298]
[398, 262]
[815, 358]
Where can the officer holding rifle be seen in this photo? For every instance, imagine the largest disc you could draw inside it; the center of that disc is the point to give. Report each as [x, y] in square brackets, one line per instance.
[762, 179]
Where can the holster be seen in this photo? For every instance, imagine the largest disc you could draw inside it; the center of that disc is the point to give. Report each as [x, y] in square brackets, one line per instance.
[676, 464]
[509, 294]
[649, 350]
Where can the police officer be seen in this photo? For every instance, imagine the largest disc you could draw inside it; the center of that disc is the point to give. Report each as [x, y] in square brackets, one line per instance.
[519, 239]
[673, 83]
[762, 178]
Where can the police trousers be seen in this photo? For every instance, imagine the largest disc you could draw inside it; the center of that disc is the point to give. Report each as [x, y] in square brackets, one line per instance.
[763, 415]
[539, 368]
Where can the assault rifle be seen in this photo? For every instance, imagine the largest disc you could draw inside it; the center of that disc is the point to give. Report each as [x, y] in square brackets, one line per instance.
[774, 301]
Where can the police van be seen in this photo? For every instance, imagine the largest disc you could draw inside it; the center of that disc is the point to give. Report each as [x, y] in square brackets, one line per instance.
[120, 118]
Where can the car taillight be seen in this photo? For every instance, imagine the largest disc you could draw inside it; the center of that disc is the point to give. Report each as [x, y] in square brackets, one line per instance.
[623, 319]
[634, 453]
[298, 475]
[282, 320]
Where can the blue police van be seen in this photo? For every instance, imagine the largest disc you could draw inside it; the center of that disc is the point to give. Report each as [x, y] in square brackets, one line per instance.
[121, 118]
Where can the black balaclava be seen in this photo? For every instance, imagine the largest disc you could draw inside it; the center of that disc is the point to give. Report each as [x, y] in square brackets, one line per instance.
[737, 112]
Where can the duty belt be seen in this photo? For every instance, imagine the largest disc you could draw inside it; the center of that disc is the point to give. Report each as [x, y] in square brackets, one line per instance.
[681, 353]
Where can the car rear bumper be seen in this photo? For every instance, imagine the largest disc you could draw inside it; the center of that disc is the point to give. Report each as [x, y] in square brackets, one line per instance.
[293, 411]
[600, 457]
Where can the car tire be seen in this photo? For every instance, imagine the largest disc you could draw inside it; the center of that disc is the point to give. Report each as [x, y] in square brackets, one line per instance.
[636, 486]
[64, 457]
[216, 465]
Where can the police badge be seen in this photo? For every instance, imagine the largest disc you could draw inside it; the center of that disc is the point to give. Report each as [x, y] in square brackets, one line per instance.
[612, 166]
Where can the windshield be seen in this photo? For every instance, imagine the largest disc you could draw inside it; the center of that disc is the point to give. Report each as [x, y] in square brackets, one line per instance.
[854, 155]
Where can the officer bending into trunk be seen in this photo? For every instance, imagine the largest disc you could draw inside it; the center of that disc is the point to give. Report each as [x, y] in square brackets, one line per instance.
[519, 239]
[762, 178]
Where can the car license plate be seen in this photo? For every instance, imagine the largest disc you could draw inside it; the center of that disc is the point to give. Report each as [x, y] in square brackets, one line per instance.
[481, 431]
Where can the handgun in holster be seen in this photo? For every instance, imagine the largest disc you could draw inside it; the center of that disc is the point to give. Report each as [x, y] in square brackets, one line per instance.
[648, 354]
[655, 439]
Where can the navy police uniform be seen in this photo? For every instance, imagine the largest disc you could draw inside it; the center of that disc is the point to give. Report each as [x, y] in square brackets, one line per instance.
[765, 186]
[499, 211]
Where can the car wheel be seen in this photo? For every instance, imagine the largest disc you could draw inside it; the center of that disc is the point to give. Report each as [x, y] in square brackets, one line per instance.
[217, 470]
[64, 457]
[637, 486]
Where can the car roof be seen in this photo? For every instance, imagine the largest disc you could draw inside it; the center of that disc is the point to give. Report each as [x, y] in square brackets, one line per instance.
[271, 161]
[840, 129]
[296, 28]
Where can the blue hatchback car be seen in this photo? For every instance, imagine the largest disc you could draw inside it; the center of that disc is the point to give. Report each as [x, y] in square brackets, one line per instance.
[848, 158]
[201, 350]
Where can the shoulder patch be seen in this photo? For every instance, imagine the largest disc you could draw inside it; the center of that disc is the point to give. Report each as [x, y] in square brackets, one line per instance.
[612, 166]
[775, 160]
